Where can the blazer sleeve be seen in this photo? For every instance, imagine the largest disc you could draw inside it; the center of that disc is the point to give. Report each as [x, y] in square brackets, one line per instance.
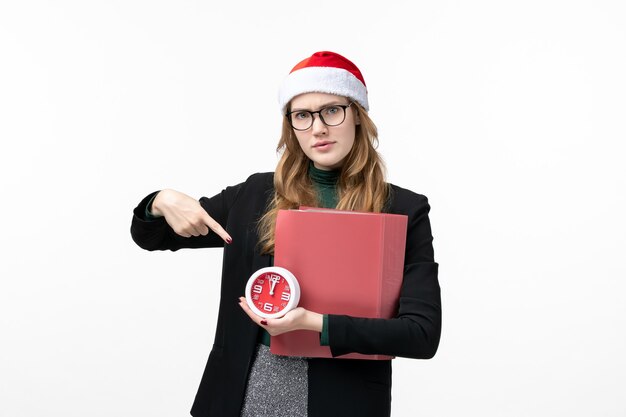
[415, 331]
[156, 234]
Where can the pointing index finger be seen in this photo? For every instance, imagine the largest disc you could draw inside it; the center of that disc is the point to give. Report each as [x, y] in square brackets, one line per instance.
[217, 228]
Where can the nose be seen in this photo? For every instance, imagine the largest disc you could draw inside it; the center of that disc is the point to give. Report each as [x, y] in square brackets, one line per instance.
[318, 127]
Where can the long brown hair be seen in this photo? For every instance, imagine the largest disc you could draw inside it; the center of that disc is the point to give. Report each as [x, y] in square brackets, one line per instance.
[361, 185]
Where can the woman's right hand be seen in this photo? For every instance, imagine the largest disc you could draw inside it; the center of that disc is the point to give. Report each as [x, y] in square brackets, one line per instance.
[185, 215]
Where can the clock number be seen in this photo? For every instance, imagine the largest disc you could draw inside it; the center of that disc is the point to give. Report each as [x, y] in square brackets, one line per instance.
[257, 288]
[268, 306]
[285, 296]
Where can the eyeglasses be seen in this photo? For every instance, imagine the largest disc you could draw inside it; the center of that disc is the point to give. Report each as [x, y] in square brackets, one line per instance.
[330, 115]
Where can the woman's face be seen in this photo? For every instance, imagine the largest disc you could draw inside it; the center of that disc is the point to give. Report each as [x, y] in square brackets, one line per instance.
[326, 146]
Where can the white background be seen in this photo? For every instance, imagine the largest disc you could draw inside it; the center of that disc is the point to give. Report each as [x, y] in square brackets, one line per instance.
[509, 116]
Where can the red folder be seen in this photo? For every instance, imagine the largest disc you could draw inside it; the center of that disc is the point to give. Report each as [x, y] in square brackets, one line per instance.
[346, 263]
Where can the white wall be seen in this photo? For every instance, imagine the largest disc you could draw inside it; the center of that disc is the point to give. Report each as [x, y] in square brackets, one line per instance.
[509, 116]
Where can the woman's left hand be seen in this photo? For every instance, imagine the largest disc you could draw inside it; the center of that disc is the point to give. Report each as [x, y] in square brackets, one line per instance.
[297, 319]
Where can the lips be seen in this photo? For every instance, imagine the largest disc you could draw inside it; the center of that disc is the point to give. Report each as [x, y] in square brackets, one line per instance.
[322, 143]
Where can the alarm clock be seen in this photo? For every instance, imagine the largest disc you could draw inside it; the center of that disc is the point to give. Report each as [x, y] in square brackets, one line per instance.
[272, 292]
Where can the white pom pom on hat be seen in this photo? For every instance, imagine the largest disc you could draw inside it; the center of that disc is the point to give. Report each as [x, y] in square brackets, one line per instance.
[324, 72]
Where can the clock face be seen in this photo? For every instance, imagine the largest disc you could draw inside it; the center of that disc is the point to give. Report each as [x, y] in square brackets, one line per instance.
[272, 292]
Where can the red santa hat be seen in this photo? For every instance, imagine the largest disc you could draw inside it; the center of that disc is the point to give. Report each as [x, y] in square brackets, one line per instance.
[324, 72]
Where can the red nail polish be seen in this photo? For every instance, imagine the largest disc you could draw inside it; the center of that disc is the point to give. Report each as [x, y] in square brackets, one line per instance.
[264, 322]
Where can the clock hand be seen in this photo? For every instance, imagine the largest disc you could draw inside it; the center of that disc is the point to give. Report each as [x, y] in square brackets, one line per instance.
[273, 284]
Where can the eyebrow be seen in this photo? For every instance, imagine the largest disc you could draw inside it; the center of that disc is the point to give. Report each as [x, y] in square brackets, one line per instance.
[331, 103]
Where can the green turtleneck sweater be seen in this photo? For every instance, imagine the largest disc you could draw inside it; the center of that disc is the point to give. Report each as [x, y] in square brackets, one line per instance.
[325, 183]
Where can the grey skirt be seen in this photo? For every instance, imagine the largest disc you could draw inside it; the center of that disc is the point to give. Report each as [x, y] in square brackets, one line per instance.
[277, 386]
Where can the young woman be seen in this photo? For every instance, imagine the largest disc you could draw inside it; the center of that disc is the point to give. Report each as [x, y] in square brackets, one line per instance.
[328, 160]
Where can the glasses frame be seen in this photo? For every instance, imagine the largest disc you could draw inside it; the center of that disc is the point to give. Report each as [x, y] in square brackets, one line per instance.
[319, 114]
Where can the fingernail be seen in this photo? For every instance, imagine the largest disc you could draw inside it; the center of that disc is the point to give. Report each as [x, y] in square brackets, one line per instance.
[264, 322]
[229, 240]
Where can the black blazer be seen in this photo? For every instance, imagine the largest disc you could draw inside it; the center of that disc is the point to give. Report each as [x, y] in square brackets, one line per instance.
[336, 387]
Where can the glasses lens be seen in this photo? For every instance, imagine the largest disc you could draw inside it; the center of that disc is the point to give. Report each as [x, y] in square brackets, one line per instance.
[333, 115]
[301, 120]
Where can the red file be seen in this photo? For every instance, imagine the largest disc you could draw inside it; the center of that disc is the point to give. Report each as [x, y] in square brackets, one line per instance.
[348, 263]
